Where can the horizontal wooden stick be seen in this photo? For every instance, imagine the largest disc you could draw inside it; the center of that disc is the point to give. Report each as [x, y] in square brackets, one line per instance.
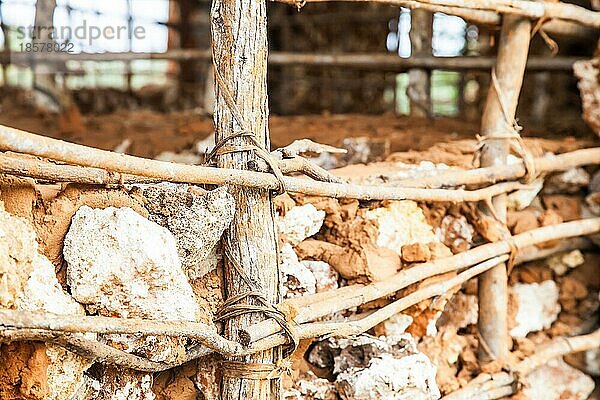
[43, 170]
[489, 11]
[528, 9]
[97, 351]
[533, 253]
[345, 329]
[28, 143]
[489, 386]
[369, 61]
[204, 334]
[312, 307]
[552, 163]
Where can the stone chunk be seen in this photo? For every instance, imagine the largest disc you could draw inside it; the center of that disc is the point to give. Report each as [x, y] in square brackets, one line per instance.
[325, 276]
[456, 233]
[438, 250]
[365, 367]
[370, 368]
[537, 306]
[17, 251]
[570, 181]
[310, 387]
[416, 252]
[522, 198]
[301, 222]
[297, 279]
[557, 380]
[587, 73]
[196, 219]
[371, 264]
[562, 263]
[121, 264]
[401, 223]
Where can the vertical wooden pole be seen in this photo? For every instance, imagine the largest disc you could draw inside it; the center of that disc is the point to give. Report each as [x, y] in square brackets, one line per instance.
[43, 76]
[239, 32]
[419, 80]
[493, 284]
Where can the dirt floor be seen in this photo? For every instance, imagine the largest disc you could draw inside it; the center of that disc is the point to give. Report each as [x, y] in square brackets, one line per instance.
[152, 132]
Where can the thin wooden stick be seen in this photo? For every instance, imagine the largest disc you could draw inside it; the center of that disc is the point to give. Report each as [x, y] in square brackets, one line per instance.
[24, 142]
[489, 385]
[135, 169]
[91, 349]
[303, 309]
[345, 329]
[370, 61]
[552, 163]
[533, 253]
[27, 325]
[488, 11]
[204, 334]
[59, 329]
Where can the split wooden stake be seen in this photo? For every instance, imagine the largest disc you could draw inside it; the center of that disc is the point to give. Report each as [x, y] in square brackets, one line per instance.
[498, 121]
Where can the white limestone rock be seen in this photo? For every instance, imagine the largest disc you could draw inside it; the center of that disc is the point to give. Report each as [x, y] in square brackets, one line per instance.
[310, 387]
[17, 251]
[383, 370]
[297, 280]
[124, 384]
[366, 367]
[557, 380]
[301, 222]
[461, 311]
[564, 262]
[592, 362]
[456, 233]
[43, 293]
[522, 198]
[122, 265]
[196, 218]
[396, 326]
[326, 278]
[400, 223]
[537, 304]
[411, 377]
[569, 181]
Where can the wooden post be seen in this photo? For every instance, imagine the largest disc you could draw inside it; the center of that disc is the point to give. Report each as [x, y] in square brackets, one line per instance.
[493, 284]
[239, 32]
[43, 76]
[419, 79]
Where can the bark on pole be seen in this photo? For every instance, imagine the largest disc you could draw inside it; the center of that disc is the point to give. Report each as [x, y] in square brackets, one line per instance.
[419, 79]
[43, 76]
[493, 284]
[239, 33]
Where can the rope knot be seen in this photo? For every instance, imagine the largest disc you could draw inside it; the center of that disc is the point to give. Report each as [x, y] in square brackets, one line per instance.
[254, 145]
[510, 132]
